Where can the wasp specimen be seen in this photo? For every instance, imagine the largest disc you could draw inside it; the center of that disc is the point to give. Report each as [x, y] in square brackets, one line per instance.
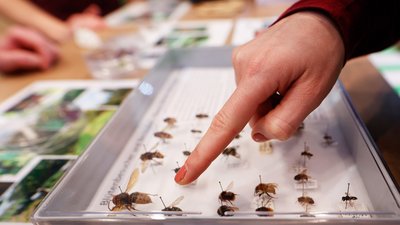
[302, 176]
[348, 198]
[186, 153]
[177, 168]
[305, 200]
[170, 121]
[226, 208]
[163, 135]
[150, 156]
[265, 188]
[194, 131]
[226, 195]
[328, 139]
[124, 200]
[201, 115]
[172, 207]
[231, 151]
[306, 152]
[265, 208]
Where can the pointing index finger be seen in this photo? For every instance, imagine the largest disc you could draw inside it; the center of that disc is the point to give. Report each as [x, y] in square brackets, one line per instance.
[229, 121]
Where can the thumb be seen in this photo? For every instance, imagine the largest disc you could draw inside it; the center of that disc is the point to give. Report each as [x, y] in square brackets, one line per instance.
[281, 121]
[229, 121]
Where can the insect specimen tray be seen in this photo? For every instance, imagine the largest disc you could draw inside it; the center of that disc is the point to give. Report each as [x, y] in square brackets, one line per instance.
[328, 172]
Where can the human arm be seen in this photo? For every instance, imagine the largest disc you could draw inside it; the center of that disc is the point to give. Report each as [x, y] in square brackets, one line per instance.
[24, 49]
[27, 14]
[300, 57]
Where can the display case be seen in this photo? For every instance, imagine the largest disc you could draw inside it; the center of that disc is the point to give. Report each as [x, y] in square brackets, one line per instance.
[329, 172]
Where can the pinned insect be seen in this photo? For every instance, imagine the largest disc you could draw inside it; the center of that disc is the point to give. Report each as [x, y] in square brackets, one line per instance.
[124, 200]
[305, 200]
[172, 207]
[225, 208]
[170, 122]
[231, 151]
[150, 156]
[265, 209]
[194, 131]
[265, 188]
[226, 195]
[302, 176]
[163, 135]
[348, 198]
[306, 152]
[328, 139]
[201, 115]
[177, 168]
[186, 153]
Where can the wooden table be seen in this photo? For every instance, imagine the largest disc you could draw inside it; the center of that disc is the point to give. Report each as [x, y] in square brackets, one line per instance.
[376, 102]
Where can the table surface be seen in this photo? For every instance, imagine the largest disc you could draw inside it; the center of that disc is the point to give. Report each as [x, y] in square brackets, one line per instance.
[377, 104]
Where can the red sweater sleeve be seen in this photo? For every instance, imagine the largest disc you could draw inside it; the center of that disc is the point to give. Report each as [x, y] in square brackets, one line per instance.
[365, 25]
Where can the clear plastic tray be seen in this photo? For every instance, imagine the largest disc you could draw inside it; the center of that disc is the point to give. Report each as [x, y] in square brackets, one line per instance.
[188, 82]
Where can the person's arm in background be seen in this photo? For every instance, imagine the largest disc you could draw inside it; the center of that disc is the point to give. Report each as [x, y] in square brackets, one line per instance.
[300, 57]
[22, 49]
[27, 14]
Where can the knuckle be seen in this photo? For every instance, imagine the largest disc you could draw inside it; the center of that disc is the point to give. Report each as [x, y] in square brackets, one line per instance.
[281, 129]
[221, 123]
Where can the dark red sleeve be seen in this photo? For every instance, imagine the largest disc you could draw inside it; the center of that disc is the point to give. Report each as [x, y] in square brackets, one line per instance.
[365, 25]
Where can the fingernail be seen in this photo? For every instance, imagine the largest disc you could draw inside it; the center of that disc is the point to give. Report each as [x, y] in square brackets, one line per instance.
[181, 174]
[259, 137]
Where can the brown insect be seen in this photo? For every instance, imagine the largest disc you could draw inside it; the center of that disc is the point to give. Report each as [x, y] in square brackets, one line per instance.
[264, 208]
[306, 152]
[225, 208]
[238, 136]
[163, 135]
[226, 195]
[305, 200]
[231, 151]
[302, 177]
[196, 131]
[172, 207]
[124, 200]
[328, 139]
[201, 115]
[170, 121]
[150, 156]
[348, 198]
[177, 168]
[186, 153]
[265, 188]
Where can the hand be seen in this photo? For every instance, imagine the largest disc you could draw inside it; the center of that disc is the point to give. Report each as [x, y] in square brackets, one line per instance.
[300, 57]
[89, 18]
[24, 49]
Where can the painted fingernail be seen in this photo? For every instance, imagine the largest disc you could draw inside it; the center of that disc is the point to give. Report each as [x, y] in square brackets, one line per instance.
[259, 137]
[181, 174]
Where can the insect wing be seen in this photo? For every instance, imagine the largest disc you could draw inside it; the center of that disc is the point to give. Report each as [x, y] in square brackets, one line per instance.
[145, 164]
[177, 201]
[230, 186]
[132, 180]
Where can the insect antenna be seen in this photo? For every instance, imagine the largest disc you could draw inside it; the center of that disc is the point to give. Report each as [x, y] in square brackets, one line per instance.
[260, 178]
[120, 189]
[222, 189]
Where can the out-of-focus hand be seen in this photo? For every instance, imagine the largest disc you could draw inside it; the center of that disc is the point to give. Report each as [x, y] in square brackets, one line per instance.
[89, 18]
[300, 57]
[25, 49]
